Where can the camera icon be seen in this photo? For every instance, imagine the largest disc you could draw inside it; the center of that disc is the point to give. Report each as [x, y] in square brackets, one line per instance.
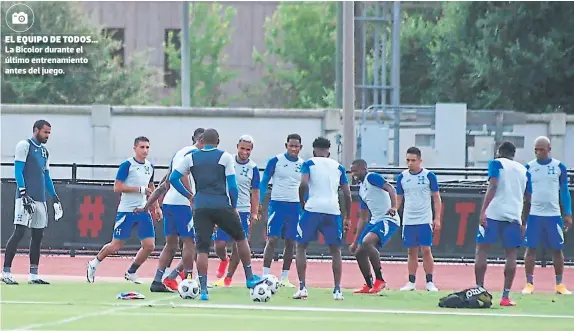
[20, 18]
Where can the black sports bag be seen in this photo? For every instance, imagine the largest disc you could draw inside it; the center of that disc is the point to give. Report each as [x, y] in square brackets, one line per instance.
[476, 297]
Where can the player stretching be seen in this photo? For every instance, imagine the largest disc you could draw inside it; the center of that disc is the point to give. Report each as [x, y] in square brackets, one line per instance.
[31, 170]
[500, 217]
[418, 186]
[321, 178]
[247, 175]
[544, 223]
[215, 203]
[379, 199]
[178, 223]
[284, 208]
[134, 181]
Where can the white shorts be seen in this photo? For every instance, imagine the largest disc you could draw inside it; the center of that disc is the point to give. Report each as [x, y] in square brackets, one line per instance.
[38, 220]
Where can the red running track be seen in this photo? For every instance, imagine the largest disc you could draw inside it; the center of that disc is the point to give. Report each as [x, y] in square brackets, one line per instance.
[446, 277]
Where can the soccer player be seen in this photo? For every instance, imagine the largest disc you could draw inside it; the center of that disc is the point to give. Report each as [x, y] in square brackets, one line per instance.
[134, 181]
[215, 203]
[247, 175]
[178, 224]
[544, 226]
[321, 178]
[417, 187]
[501, 215]
[32, 173]
[379, 221]
[284, 208]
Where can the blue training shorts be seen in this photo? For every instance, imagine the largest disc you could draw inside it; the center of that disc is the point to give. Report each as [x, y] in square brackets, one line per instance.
[126, 222]
[508, 232]
[330, 226]
[282, 219]
[383, 229]
[417, 235]
[178, 220]
[544, 232]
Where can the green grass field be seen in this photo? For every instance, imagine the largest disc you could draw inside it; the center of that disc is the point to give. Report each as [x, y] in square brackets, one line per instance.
[94, 307]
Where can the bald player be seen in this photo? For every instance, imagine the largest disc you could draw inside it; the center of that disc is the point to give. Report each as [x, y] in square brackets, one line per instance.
[545, 225]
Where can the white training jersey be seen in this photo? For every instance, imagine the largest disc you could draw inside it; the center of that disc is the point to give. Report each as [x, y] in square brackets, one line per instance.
[286, 177]
[247, 177]
[546, 177]
[173, 197]
[417, 190]
[374, 198]
[325, 177]
[506, 206]
[135, 174]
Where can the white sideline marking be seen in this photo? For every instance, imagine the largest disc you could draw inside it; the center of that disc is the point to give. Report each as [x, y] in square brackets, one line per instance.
[79, 317]
[121, 307]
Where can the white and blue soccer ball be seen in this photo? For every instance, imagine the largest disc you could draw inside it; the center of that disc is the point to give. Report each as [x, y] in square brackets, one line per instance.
[188, 289]
[272, 282]
[261, 293]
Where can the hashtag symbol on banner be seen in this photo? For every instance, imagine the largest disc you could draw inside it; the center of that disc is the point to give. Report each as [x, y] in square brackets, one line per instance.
[91, 213]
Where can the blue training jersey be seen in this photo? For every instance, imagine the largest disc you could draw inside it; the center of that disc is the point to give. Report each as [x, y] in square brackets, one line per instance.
[31, 169]
[213, 172]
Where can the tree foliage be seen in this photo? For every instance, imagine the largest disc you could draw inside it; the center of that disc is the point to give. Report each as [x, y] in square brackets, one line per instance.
[102, 80]
[498, 55]
[299, 61]
[210, 33]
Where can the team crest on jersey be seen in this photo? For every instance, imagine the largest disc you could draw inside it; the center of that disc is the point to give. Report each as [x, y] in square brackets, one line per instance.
[44, 153]
[421, 180]
[147, 170]
[244, 171]
[551, 170]
[298, 167]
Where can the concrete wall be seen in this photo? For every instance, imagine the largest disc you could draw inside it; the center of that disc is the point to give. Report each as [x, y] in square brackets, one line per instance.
[104, 134]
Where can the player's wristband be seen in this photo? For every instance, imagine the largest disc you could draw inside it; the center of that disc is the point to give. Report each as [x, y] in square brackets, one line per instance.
[143, 189]
[22, 191]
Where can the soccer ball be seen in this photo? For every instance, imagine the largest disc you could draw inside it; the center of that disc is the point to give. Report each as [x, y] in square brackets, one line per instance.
[188, 289]
[261, 293]
[273, 283]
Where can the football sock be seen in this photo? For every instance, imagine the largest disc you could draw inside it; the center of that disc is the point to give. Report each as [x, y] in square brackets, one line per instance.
[158, 275]
[266, 271]
[429, 278]
[412, 278]
[301, 284]
[337, 289]
[378, 274]
[203, 282]
[248, 271]
[530, 279]
[229, 275]
[173, 274]
[133, 268]
[33, 270]
[558, 279]
[505, 293]
[368, 280]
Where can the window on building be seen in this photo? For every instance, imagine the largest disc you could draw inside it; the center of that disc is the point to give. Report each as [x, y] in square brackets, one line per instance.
[117, 34]
[170, 76]
[518, 141]
[424, 140]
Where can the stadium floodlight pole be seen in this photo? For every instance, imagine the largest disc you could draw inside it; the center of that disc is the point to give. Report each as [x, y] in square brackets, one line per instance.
[185, 57]
[396, 79]
[349, 140]
[339, 58]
